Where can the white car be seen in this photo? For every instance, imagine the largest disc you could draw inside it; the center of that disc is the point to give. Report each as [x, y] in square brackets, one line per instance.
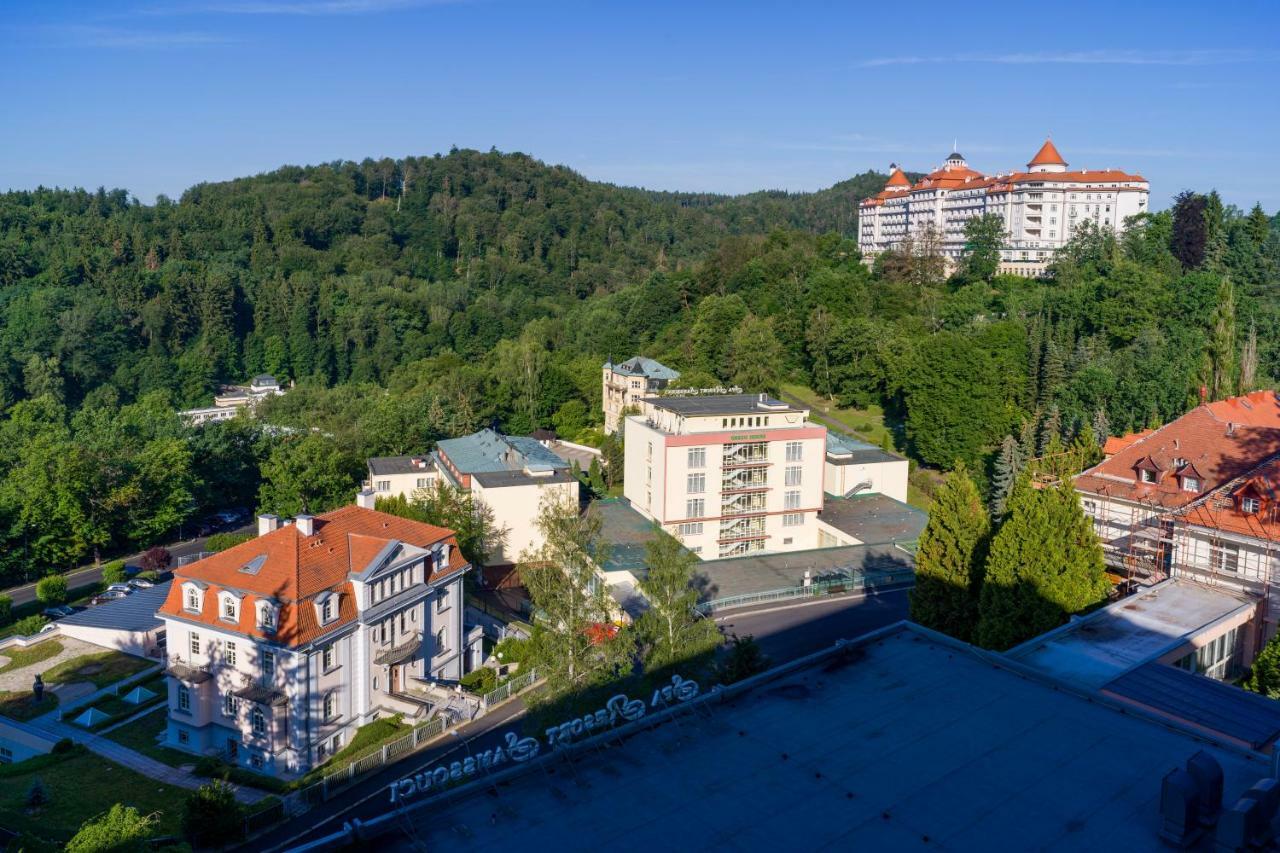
[141, 583]
[120, 587]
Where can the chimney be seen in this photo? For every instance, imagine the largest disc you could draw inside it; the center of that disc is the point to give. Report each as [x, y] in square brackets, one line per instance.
[306, 524]
[1204, 394]
[365, 499]
[267, 523]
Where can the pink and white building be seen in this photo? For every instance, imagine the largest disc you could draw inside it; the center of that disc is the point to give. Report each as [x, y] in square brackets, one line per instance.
[730, 474]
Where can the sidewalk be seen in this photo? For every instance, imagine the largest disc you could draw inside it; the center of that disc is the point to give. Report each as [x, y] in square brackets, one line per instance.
[136, 761]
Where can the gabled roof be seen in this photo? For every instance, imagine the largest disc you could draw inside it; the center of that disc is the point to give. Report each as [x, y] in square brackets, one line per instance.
[646, 367]
[1221, 440]
[489, 451]
[1219, 510]
[292, 569]
[1047, 156]
[1115, 443]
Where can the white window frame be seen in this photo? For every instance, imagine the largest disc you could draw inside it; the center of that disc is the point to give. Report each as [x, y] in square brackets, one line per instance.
[229, 655]
[193, 645]
[258, 722]
[793, 475]
[1250, 506]
[184, 698]
[1147, 476]
[696, 484]
[1190, 484]
[697, 457]
[695, 508]
[793, 519]
[795, 451]
[791, 500]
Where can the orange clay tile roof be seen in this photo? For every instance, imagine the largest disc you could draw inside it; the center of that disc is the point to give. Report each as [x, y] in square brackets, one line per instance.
[295, 569]
[1115, 443]
[1221, 440]
[897, 179]
[1047, 156]
[1220, 510]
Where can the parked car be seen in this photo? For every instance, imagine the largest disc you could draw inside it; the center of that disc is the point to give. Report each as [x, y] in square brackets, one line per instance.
[58, 611]
[141, 583]
[130, 570]
[121, 588]
[109, 595]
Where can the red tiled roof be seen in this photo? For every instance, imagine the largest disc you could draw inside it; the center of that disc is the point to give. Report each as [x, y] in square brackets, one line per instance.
[897, 179]
[1220, 440]
[1047, 156]
[1221, 511]
[1115, 443]
[295, 569]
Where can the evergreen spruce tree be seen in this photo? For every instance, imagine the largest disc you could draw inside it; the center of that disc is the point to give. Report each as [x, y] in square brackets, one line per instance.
[1258, 226]
[1045, 563]
[1027, 442]
[1249, 360]
[950, 557]
[1052, 373]
[1220, 353]
[1101, 428]
[1050, 429]
[1264, 675]
[1004, 473]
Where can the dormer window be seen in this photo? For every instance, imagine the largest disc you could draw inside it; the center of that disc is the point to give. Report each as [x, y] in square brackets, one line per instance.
[192, 597]
[1146, 475]
[326, 605]
[267, 617]
[1190, 484]
[230, 610]
[1250, 505]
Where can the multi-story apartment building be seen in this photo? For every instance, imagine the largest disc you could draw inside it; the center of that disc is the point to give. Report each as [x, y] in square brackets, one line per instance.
[1042, 208]
[729, 475]
[282, 646]
[400, 476]
[1195, 499]
[627, 382]
[230, 399]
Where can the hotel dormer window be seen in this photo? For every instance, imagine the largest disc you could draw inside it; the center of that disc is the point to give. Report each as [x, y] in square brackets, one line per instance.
[193, 599]
[1190, 484]
[1250, 505]
[266, 617]
[1146, 475]
[230, 610]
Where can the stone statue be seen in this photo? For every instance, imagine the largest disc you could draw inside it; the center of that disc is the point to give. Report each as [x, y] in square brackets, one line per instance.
[38, 688]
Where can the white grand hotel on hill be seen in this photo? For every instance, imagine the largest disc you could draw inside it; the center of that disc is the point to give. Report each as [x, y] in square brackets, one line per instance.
[1042, 207]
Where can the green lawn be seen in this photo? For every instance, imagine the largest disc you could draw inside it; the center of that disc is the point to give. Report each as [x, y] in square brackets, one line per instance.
[20, 705]
[141, 734]
[101, 669]
[20, 657]
[80, 786]
[369, 738]
[865, 424]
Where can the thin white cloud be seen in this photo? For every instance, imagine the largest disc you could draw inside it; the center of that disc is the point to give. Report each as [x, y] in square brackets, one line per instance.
[1084, 57]
[135, 39]
[311, 8]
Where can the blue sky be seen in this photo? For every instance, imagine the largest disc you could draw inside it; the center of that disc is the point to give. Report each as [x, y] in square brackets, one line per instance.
[155, 96]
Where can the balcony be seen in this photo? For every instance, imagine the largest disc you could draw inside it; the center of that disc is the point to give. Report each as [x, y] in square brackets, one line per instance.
[185, 672]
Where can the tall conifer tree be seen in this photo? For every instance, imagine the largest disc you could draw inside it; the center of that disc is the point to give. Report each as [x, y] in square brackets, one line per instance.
[949, 560]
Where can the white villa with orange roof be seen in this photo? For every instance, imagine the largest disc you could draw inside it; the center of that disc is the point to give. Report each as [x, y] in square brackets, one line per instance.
[1042, 208]
[1198, 498]
[282, 646]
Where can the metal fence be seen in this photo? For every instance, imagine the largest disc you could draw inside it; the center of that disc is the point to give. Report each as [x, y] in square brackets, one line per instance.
[847, 582]
[504, 692]
[391, 751]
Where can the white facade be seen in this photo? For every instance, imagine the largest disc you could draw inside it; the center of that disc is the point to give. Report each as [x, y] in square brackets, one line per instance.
[624, 384]
[729, 476]
[1042, 208]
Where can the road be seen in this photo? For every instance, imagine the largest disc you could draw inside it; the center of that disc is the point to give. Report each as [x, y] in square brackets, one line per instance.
[92, 574]
[784, 632]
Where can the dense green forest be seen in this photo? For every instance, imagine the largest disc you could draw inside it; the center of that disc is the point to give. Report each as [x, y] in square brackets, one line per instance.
[410, 300]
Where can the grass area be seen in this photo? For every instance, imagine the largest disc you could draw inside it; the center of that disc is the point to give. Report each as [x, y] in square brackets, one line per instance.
[21, 705]
[20, 657]
[100, 669]
[865, 424]
[141, 734]
[369, 738]
[80, 786]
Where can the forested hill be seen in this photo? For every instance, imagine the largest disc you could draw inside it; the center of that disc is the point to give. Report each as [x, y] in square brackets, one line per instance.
[341, 271]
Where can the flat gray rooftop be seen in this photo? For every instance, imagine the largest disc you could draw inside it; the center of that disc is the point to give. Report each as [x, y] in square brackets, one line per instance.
[768, 572]
[722, 404]
[388, 465]
[134, 612]
[904, 742]
[627, 532]
[1092, 651]
[873, 518]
